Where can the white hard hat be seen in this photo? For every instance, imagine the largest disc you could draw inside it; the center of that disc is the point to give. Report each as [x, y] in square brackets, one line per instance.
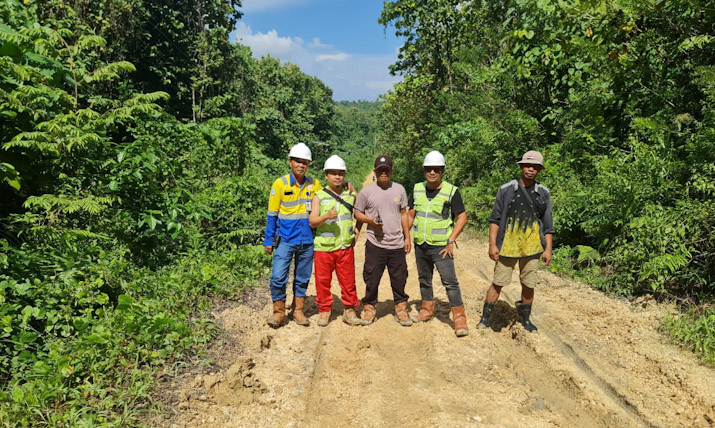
[334, 162]
[434, 158]
[300, 151]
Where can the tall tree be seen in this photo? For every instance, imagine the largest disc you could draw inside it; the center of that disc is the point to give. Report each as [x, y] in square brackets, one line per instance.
[179, 47]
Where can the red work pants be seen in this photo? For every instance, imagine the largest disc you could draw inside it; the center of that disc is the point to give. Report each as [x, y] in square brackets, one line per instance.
[343, 263]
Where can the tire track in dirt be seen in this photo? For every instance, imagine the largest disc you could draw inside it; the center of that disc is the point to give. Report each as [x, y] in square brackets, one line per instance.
[616, 355]
[630, 415]
[595, 362]
[554, 382]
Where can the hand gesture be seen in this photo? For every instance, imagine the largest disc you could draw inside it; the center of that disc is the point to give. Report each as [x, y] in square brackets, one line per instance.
[332, 214]
[448, 251]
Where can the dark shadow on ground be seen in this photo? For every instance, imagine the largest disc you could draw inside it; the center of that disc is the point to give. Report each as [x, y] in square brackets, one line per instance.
[503, 315]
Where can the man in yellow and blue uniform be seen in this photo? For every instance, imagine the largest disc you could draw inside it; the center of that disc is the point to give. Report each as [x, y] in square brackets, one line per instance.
[289, 236]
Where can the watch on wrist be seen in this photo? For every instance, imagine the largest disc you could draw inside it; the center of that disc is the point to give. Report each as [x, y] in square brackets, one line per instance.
[449, 241]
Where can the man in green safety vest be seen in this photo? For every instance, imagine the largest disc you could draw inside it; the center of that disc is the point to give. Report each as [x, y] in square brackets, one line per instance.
[335, 238]
[437, 218]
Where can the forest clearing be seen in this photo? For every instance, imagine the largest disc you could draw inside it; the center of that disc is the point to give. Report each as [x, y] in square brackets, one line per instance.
[139, 141]
[595, 362]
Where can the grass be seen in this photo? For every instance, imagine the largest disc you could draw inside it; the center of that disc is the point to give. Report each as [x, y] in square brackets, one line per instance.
[695, 330]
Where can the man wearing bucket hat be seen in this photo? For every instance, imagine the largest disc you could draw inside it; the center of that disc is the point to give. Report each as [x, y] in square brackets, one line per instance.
[288, 235]
[335, 237]
[521, 231]
[438, 217]
[383, 207]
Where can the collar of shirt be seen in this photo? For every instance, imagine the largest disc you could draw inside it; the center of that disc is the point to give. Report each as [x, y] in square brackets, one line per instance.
[294, 182]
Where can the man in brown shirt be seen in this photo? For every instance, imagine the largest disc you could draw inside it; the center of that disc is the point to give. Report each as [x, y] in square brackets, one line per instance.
[383, 207]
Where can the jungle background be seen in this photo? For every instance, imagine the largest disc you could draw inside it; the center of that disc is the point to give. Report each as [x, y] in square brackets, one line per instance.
[139, 143]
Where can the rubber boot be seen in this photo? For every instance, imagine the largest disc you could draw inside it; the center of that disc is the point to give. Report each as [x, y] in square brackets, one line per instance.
[297, 311]
[460, 321]
[486, 314]
[324, 319]
[427, 311]
[350, 317]
[368, 314]
[278, 316]
[401, 314]
[524, 311]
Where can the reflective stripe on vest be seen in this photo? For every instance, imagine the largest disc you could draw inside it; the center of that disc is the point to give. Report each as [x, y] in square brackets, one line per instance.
[344, 217]
[295, 203]
[433, 219]
[292, 216]
[337, 233]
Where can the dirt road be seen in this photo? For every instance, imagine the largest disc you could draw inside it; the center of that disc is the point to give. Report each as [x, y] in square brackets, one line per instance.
[595, 362]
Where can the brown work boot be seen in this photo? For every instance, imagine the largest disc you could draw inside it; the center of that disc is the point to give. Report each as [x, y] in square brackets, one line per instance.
[350, 317]
[460, 321]
[427, 311]
[368, 314]
[278, 316]
[324, 319]
[297, 311]
[401, 314]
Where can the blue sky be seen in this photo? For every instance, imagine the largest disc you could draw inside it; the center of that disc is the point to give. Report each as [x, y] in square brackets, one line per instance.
[338, 41]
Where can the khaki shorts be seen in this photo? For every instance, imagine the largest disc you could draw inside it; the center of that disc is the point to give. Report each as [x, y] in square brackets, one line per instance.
[527, 271]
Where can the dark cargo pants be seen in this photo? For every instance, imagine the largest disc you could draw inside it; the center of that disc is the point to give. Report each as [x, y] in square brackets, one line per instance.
[376, 259]
[427, 257]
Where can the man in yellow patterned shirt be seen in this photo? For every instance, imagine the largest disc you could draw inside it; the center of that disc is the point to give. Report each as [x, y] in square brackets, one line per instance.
[521, 231]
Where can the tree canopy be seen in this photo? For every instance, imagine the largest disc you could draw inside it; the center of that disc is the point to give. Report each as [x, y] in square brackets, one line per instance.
[618, 96]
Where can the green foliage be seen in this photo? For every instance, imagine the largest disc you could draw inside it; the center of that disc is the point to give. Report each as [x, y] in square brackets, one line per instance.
[292, 107]
[617, 95]
[179, 48]
[9, 175]
[136, 164]
[695, 330]
[355, 136]
[81, 345]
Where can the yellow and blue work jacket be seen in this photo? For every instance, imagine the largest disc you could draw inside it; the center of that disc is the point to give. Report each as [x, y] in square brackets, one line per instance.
[288, 208]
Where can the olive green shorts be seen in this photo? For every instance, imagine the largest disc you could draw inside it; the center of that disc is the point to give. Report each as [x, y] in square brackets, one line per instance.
[527, 271]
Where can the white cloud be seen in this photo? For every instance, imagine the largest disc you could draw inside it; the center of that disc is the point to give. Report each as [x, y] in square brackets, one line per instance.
[267, 43]
[318, 45]
[335, 57]
[350, 76]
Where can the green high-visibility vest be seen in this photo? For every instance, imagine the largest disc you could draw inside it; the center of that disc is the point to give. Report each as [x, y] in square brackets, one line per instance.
[433, 219]
[338, 233]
